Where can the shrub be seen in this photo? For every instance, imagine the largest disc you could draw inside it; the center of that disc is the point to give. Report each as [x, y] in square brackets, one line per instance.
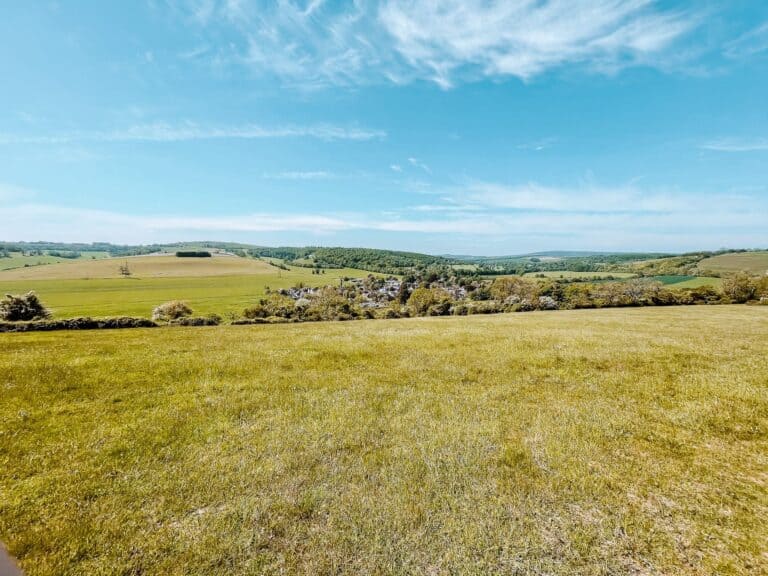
[82, 323]
[422, 299]
[19, 308]
[739, 288]
[211, 320]
[172, 310]
[275, 304]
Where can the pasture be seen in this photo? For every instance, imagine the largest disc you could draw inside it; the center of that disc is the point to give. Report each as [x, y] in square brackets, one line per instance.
[751, 262]
[576, 442]
[573, 275]
[220, 285]
[17, 260]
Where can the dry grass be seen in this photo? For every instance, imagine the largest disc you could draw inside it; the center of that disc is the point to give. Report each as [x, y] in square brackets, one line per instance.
[752, 262]
[583, 442]
[141, 267]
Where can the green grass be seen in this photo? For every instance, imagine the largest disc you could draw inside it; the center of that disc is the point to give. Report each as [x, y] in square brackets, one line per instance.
[571, 275]
[582, 442]
[693, 281]
[219, 285]
[16, 260]
[133, 296]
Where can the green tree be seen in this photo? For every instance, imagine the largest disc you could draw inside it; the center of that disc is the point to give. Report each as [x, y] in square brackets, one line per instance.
[739, 288]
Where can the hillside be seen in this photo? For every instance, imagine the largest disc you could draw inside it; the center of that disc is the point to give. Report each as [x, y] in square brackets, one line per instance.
[141, 267]
[384, 261]
[752, 262]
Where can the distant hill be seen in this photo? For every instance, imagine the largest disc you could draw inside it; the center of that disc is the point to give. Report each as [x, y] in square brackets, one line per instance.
[399, 262]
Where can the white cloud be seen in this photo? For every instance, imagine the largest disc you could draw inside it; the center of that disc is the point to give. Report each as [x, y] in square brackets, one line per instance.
[319, 43]
[165, 132]
[585, 199]
[522, 217]
[396, 168]
[525, 38]
[737, 145]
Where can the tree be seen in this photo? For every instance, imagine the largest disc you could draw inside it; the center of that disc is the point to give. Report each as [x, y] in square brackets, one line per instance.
[739, 288]
[19, 308]
[422, 299]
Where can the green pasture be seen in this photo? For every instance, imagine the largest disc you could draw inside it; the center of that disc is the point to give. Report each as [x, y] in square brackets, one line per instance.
[138, 296]
[16, 260]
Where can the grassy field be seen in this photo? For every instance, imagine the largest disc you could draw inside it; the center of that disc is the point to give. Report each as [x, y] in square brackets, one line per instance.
[583, 442]
[571, 275]
[689, 281]
[752, 262]
[210, 285]
[16, 260]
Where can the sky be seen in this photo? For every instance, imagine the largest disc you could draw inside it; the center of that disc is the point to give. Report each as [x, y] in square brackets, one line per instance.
[449, 127]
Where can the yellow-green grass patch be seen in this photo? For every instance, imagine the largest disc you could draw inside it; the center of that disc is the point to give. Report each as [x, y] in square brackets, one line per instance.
[134, 296]
[17, 260]
[577, 442]
[751, 262]
[573, 275]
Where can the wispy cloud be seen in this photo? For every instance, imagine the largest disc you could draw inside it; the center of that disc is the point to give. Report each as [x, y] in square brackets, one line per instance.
[321, 43]
[538, 145]
[753, 42]
[736, 145]
[415, 162]
[531, 216]
[188, 131]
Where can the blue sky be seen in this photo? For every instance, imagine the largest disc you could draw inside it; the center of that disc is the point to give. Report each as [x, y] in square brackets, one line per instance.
[471, 127]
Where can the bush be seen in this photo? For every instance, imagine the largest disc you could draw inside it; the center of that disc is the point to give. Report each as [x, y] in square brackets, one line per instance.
[83, 323]
[172, 310]
[274, 304]
[211, 320]
[20, 308]
[248, 321]
[739, 288]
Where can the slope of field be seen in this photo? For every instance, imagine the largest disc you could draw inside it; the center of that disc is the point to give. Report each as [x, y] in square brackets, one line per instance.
[583, 442]
[752, 262]
[134, 296]
[16, 260]
[142, 267]
[572, 275]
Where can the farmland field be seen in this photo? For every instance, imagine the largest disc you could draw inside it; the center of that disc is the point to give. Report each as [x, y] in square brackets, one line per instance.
[752, 262]
[572, 275]
[575, 442]
[16, 260]
[210, 285]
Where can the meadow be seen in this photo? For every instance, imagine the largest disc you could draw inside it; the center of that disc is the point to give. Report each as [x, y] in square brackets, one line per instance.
[573, 275]
[18, 260]
[751, 262]
[572, 442]
[218, 285]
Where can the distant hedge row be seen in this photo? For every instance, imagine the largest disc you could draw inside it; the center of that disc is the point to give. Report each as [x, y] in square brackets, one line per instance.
[77, 324]
[193, 254]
